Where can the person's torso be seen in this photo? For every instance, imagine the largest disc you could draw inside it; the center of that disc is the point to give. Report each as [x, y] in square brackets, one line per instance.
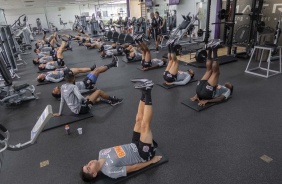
[221, 90]
[181, 76]
[55, 74]
[119, 156]
[80, 85]
[67, 92]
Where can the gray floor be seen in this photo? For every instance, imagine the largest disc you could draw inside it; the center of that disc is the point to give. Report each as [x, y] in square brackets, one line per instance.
[222, 144]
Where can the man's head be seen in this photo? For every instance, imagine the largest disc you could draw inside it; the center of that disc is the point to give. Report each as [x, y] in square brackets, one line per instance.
[229, 86]
[36, 51]
[36, 45]
[35, 61]
[191, 73]
[41, 67]
[69, 76]
[56, 92]
[157, 14]
[41, 77]
[90, 171]
[152, 15]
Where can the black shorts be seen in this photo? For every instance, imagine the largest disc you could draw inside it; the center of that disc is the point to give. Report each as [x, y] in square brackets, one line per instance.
[60, 61]
[168, 77]
[146, 64]
[146, 151]
[204, 90]
[156, 32]
[84, 109]
[88, 83]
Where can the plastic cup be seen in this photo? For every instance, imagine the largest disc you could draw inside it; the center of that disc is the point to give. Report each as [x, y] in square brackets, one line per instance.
[79, 130]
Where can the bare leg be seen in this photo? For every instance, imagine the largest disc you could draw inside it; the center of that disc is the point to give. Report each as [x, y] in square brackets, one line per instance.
[209, 71]
[100, 69]
[139, 117]
[146, 133]
[80, 70]
[213, 80]
[98, 93]
[61, 50]
[175, 64]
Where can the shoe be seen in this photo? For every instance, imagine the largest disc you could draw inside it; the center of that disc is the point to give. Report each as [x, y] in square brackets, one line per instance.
[93, 67]
[101, 49]
[115, 61]
[144, 85]
[64, 39]
[139, 80]
[115, 101]
[44, 32]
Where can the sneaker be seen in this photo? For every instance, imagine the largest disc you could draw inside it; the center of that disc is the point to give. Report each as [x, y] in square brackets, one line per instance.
[116, 101]
[144, 85]
[64, 39]
[101, 49]
[139, 80]
[93, 67]
[115, 61]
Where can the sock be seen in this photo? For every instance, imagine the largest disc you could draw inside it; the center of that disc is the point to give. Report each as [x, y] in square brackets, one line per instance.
[93, 67]
[148, 99]
[111, 98]
[143, 97]
[171, 48]
[110, 65]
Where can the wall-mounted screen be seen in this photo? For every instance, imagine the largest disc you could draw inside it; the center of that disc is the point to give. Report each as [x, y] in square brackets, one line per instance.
[173, 2]
[149, 3]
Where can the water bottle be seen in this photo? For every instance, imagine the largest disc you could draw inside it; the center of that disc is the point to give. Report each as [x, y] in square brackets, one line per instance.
[67, 128]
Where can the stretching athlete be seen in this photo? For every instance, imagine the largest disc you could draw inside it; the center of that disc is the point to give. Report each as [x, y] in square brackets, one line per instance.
[208, 90]
[75, 101]
[120, 160]
[58, 74]
[90, 80]
[147, 62]
[172, 74]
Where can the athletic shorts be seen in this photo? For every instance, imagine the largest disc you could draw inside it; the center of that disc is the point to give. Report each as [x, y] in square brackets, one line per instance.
[156, 32]
[168, 77]
[89, 81]
[84, 108]
[146, 151]
[146, 64]
[60, 61]
[204, 90]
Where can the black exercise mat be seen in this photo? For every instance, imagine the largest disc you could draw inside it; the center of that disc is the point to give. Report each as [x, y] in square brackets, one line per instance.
[136, 59]
[173, 86]
[66, 118]
[221, 61]
[103, 179]
[45, 70]
[141, 68]
[45, 82]
[194, 105]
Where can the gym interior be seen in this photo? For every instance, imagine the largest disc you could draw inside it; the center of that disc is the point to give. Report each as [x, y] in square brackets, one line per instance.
[230, 138]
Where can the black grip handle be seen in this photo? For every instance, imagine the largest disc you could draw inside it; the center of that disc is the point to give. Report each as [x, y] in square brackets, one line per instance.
[3, 128]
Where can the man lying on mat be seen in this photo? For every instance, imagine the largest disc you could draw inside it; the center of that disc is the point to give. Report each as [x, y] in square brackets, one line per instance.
[172, 75]
[58, 74]
[90, 80]
[208, 90]
[120, 160]
[75, 101]
[146, 62]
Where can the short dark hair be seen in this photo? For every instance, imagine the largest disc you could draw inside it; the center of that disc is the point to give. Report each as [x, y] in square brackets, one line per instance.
[85, 176]
[56, 95]
[41, 68]
[157, 12]
[34, 62]
[35, 50]
[40, 80]
[231, 89]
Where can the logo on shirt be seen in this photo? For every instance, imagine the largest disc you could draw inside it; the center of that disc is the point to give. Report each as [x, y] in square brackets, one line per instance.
[119, 151]
[145, 149]
[105, 152]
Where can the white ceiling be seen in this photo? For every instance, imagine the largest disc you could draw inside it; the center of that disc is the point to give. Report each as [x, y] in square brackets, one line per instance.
[19, 4]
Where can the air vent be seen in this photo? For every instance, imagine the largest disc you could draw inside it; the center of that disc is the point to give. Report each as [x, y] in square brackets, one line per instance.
[28, 5]
[29, 1]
